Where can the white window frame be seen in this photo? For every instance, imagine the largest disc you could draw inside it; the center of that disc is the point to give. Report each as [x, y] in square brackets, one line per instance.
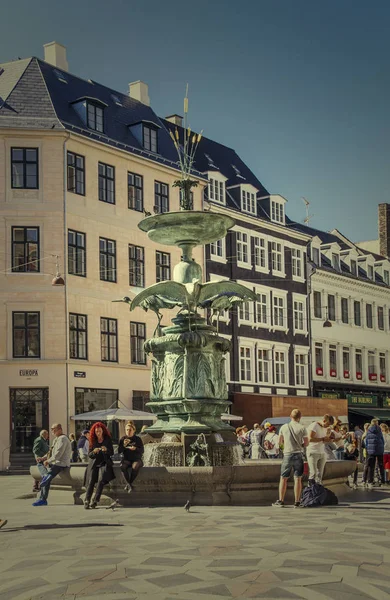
[264, 359]
[246, 354]
[300, 368]
[221, 243]
[299, 299]
[319, 346]
[275, 251]
[216, 188]
[297, 263]
[262, 308]
[277, 296]
[248, 202]
[277, 211]
[278, 363]
[260, 253]
[240, 249]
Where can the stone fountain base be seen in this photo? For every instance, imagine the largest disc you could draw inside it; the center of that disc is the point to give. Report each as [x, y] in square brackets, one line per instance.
[246, 485]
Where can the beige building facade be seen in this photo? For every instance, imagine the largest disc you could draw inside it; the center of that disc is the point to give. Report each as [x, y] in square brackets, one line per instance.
[70, 201]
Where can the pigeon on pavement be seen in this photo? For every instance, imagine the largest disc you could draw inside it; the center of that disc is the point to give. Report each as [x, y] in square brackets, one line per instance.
[113, 505]
[187, 506]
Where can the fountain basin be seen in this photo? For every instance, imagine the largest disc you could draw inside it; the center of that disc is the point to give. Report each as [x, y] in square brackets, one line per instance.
[250, 484]
[186, 227]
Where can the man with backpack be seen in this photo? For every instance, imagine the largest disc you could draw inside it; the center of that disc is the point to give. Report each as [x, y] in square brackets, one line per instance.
[374, 444]
[294, 438]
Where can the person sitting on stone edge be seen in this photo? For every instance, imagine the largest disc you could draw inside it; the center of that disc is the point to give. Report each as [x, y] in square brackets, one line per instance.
[58, 461]
[132, 448]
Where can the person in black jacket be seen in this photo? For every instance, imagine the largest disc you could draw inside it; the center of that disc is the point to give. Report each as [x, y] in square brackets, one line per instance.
[132, 448]
[375, 445]
[100, 470]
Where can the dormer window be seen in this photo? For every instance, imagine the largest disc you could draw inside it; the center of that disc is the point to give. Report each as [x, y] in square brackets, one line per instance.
[335, 261]
[370, 272]
[95, 116]
[217, 190]
[316, 256]
[277, 212]
[386, 277]
[248, 202]
[354, 268]
[150, 139]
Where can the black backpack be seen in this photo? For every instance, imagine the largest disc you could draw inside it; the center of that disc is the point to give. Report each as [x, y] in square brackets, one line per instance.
[318, 495]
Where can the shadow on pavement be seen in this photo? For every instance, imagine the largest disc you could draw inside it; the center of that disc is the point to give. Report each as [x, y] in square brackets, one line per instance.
[58, 526]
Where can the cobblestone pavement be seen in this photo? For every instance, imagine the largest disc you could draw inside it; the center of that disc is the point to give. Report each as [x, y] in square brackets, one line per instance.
[211, 553]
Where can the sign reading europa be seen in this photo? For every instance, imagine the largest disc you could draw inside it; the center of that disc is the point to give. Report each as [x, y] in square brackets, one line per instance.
[362, 400]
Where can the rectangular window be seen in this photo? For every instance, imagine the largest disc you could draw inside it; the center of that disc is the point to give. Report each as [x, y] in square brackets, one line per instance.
[277, 212]
[315, 255]
[137, 340]
[262, 309]
[319, 359]
[161, 197]
[245, 363]
[331, 307]
[381, 318]
[76, 173]
[386, 277]
[296, 262]
[357, 314]
[95, 117]
[336, 262]
[354, 267]
[317, 305]
[242, 247]
[106, 183]
[300, 375]
[163, 266]
[136, 266]
[278, 312]
[333, 361]
[359, 364]
[109, 339]
[25, 249]
[260, 253]
[344, 310]
[263, 366]
[217, 191]
[217, 249]
[299, 323]
[135, 191]
[371, 365]
[346, 363]
[280, 367]
[244, 312]
[24, 168]
[276, 253]
[370, 272]
[248, 202]
[78, 346]
[150, 136]
[26, 335]
[77, 253]
[107, 260]
[382, 366]
[369, 318]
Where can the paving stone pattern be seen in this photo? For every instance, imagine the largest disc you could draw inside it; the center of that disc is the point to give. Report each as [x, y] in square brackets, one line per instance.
[211, 553]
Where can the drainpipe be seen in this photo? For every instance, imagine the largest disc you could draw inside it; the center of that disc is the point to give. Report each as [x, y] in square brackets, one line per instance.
[308, 318]
[66, 287]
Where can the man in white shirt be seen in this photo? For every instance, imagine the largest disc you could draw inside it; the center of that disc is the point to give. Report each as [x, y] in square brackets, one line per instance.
[293, 437]
[319, 434]
[59, 459]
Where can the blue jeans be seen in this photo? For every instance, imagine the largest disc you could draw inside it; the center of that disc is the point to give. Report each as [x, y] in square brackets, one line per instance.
[45, 486]
[339, 453]
[42, 469]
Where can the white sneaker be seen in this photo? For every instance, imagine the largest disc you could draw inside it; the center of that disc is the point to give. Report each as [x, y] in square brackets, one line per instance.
[370, 486]
[355, 487]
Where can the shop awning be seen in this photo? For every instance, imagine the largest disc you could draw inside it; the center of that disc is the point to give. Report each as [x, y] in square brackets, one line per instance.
[373, 413]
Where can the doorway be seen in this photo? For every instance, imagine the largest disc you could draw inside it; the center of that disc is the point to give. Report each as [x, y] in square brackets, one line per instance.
[29, 415]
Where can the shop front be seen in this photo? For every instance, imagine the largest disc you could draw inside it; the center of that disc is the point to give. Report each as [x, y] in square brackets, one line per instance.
[29, 410]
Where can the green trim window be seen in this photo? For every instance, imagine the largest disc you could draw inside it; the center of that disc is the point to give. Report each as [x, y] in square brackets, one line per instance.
[24, 168]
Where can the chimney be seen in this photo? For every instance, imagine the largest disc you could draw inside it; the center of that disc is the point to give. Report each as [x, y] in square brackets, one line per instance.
[175, 119]
[139, 91]
[384, 229]
[55, 54]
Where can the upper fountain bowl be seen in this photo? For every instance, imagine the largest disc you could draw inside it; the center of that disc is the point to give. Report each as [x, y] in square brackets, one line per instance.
[194, 227]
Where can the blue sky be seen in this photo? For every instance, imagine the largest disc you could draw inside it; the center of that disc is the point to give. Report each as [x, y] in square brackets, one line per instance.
[299, 88]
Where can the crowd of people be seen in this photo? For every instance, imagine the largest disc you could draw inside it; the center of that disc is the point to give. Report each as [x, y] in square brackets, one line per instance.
[95, 448]
[323, 440]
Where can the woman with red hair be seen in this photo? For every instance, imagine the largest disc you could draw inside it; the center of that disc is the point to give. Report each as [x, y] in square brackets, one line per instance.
[100, 470]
